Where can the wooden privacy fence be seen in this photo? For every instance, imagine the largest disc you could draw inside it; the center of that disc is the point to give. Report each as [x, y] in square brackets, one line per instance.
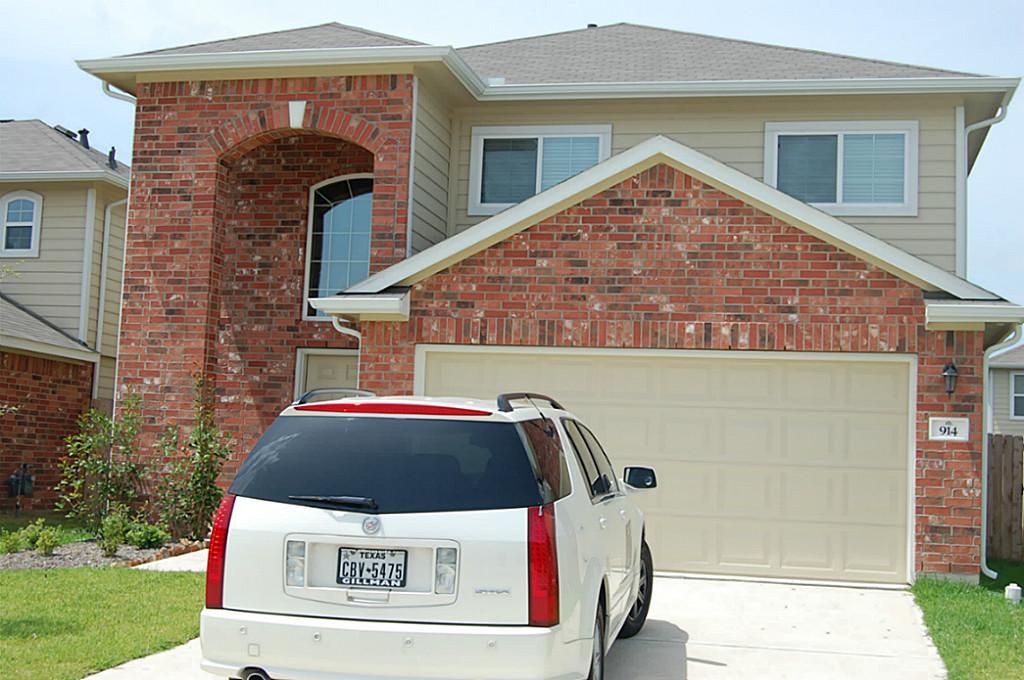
[1006, 485]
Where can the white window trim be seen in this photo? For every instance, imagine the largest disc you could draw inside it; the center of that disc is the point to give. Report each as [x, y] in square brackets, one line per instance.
[302, 355]
[309, 239]
[603, 132]
[1010, 411]
[37, 219]
[909, 128]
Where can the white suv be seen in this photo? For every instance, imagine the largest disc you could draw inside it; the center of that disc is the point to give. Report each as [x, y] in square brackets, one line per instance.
[407, 537]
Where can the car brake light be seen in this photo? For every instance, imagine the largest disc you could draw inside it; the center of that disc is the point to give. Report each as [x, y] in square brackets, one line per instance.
[391, 409]
[543, 566]
[218, 552]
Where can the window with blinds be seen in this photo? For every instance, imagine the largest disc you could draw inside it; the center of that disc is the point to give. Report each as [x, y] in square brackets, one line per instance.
[511, 164]
[864, 169]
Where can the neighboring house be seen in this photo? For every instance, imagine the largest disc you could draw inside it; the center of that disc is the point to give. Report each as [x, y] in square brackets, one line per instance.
[743, 264]
[62, 216]
[1007, 398]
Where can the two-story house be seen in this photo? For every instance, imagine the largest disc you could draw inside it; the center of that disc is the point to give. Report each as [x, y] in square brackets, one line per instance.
[62, 217]
[743, 264]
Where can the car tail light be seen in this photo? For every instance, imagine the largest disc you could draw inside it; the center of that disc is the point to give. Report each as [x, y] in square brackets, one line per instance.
[446, 570]
[543, 566]
[295, 563]
[218, 552]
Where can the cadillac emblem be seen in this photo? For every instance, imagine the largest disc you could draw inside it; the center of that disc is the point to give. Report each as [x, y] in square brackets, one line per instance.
[371, 525]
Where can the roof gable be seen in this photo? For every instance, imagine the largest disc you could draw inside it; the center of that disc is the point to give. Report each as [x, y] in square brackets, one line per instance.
[631, 53]
[645, 155]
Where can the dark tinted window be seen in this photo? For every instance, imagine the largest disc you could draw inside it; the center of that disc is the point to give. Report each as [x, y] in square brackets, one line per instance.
[590, 470]
[604, 466]
[547, 455]
[404, 465]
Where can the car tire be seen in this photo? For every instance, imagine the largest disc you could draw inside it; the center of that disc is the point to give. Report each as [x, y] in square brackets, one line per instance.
[597, 655]
[638, 612]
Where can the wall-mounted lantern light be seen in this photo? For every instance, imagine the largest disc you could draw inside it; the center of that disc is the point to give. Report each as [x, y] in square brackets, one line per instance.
[950, 373]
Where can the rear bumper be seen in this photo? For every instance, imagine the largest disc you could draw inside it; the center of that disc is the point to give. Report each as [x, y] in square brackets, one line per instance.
[307, 648]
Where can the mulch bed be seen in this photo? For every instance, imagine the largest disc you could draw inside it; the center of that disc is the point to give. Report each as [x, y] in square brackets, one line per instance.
[88, 554]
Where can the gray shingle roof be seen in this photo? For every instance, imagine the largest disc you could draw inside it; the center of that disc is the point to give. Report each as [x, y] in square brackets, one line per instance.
[631, 53]
[34, 146]
[332, 35]
[1012, 357]
[18, 321]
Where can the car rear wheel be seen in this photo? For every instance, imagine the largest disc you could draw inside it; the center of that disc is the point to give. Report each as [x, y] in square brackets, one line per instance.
[638, 612]
[597, 656]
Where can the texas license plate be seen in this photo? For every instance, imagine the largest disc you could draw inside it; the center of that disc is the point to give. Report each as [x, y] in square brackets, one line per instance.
[371, 568]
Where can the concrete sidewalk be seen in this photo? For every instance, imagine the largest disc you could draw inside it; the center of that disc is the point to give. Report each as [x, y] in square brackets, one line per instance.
[193, 561]
[706, 629]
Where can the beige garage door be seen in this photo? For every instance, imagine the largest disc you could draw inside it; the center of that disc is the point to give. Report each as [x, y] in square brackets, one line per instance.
[767, 466]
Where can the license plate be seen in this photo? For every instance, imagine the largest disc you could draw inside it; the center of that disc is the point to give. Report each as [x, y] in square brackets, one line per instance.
[371, 568]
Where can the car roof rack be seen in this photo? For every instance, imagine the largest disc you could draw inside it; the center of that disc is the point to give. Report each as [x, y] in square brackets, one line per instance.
[346, 391]
[505, 400]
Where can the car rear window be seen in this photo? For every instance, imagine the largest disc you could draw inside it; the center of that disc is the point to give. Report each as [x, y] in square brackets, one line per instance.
[405, 465]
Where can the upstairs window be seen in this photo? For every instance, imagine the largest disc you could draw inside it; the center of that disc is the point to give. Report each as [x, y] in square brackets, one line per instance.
[511, 164]
[1017, 395]
[338, 242]
[845, 168]
[21, 212]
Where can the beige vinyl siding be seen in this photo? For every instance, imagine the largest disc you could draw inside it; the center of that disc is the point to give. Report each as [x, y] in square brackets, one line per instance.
[1001, 421]
[430, 170]
[732, 131]
[49, 284]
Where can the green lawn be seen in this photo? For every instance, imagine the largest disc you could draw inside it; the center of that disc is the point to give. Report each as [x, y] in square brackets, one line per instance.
[67, 623]
[70, 530]
[979, 634]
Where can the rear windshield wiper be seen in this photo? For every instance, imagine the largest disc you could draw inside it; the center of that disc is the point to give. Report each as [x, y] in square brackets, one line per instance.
[359, 502]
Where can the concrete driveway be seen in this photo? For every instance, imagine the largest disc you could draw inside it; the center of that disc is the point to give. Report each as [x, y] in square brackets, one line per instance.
[720, 630]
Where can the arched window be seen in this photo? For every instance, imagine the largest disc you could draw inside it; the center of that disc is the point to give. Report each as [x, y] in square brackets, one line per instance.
[339, 236]
[20, 214]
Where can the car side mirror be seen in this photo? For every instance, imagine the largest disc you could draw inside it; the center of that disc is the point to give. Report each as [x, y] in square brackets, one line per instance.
[640, 477]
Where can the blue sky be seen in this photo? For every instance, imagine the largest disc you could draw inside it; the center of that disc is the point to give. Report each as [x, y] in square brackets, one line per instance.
[43, 38]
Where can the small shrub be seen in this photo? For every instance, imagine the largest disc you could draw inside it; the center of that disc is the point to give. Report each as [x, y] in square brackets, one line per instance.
[47, 540]
[143, 535]
[10, 542]
[102, 470]
[30, 533]
[188, 494]
[113, 532]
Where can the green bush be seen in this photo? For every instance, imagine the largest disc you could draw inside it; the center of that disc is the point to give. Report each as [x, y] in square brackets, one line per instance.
[10, 542]
[30, 533]
[188, 494]
[113, 532]
[47, 540]
[102, 470]
[143, 535]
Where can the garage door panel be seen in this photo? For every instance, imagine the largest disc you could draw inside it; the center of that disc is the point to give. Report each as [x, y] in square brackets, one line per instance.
[875, 497]
[744, 545]
[808, 547]
[791, 467]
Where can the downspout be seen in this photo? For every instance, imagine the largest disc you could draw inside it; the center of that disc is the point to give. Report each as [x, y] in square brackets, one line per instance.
[1010, 340]
[104, 268]
[88, 243]
[962, 149]
[348, 330]
[121, 96]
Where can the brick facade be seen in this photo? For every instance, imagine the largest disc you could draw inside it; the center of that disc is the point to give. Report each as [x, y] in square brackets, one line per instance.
[663, 261]
[50, 395]
[216, 255]
[216, 242]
